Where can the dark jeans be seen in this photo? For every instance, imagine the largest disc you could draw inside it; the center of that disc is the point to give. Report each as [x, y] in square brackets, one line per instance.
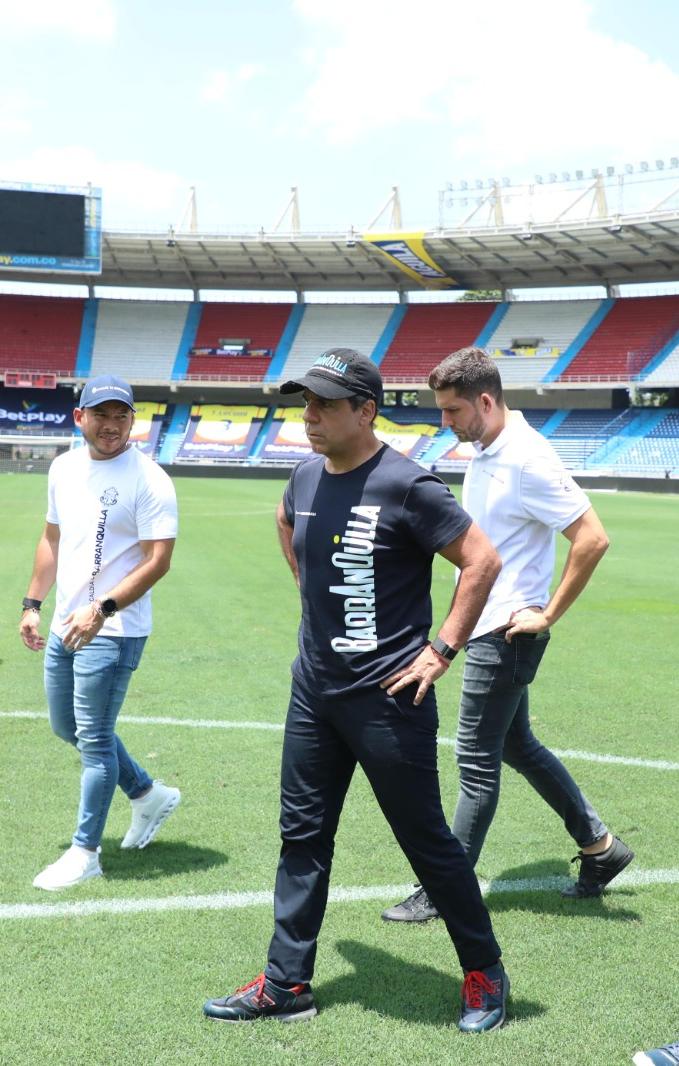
[395, 744]
[494, 727]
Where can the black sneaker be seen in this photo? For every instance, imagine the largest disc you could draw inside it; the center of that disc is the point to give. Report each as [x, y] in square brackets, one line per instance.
[261, 998]
[416, 908]
[484, 999]
[597, 870]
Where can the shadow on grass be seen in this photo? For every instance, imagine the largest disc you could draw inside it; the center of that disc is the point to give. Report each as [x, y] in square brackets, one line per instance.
[399, 988]
[158, 860]
[537, 887]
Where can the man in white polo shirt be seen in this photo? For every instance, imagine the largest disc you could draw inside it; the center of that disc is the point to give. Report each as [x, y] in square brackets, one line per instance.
[517, 490]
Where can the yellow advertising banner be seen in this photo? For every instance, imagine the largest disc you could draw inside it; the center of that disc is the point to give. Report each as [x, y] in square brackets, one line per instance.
[407, 251]
[141, 430]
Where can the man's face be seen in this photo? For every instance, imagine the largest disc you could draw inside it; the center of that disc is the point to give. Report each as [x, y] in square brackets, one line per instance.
[332, 426]
[105, 427]
[468, 419]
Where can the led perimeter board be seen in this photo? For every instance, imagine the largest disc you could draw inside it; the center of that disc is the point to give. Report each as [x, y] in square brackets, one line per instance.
[50, 228]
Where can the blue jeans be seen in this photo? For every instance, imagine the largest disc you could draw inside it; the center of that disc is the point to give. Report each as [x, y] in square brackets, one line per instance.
[494, 727]
[85, 691]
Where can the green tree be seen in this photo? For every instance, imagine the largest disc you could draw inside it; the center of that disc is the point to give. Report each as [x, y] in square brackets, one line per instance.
[473, 295]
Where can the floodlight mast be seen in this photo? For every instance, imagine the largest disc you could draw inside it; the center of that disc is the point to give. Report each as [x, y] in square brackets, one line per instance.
[598, 200]
[395, 218]
[292, 209]
[586, 197]
[190, 214]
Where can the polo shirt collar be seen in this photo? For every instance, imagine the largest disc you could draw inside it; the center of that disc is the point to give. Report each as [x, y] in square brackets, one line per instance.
[514, 422]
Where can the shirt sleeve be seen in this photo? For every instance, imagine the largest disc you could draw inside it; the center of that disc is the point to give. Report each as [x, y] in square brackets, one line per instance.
[157, 508]
[288, 501]
[550, 495]
[433, 515]
[52, 515]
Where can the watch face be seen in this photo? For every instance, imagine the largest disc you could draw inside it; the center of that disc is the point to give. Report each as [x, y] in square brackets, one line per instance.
[109, 607]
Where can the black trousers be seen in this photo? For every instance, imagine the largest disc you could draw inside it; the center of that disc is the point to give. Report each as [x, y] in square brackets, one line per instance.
[395, 744]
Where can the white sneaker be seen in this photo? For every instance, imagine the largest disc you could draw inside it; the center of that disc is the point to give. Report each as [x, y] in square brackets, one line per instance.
[149, 813]
[75, 865]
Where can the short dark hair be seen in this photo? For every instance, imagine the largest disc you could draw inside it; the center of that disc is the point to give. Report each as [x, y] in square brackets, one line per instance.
[470, 372]
[357, 401]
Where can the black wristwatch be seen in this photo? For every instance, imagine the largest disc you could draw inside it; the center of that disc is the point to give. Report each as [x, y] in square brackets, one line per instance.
[443, 649]
[29, 604]
[108, 607]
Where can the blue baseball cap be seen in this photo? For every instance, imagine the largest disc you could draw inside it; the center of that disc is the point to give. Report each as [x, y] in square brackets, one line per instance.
[339, 373]
[106, 387]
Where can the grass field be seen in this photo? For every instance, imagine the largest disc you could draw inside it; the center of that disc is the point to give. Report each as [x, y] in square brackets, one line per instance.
[115, 971]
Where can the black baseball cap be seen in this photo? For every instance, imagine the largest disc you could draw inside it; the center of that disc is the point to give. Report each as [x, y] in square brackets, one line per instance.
[338, 373]
[106, 387]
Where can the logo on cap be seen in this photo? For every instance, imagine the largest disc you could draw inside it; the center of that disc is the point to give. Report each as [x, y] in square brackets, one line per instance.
[331, 362]
[109, 388]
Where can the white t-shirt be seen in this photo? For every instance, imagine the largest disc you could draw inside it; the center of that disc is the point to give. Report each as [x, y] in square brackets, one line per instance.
[518, 491]
[104, 508]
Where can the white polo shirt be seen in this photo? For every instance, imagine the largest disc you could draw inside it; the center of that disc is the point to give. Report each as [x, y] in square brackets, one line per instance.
[519, 493]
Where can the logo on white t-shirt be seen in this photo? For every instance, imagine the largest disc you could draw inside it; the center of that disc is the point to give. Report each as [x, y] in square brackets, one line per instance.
[109, 496]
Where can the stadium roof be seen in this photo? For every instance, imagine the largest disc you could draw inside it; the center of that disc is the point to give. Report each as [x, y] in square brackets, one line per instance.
[613, 251]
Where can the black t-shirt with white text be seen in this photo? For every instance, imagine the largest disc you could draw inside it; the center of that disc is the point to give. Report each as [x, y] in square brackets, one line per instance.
[364, 543]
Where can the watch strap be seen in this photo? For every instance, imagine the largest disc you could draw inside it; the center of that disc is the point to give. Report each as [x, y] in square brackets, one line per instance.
[444, 650]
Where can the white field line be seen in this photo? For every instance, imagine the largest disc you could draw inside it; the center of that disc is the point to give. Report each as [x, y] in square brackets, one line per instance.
[220, 723]
[592, 756]
[222, 901]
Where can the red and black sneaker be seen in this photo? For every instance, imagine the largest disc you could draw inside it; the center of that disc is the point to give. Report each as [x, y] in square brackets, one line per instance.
[262, 998]
[484, 999]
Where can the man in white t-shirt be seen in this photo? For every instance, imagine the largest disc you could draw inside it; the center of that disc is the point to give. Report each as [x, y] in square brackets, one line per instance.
[110, 531]
[517, 490]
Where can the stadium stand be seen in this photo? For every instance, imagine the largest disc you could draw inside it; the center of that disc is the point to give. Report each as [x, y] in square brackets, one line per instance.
[666, 372]
[173, 431]
[261, 325]
[656, 452]
[582, 433]
[40, 333]
[550, 324]
[428, 333]
[138, 339]
[523, 371]
[536, 418]
[532, 335]
[326, 326]
[149, 341]
[631, 334]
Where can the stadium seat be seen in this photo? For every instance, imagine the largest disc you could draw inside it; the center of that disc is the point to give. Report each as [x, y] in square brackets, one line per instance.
[40, 333]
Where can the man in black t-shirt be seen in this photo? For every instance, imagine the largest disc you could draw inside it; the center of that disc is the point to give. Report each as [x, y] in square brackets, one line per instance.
[359, 525]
